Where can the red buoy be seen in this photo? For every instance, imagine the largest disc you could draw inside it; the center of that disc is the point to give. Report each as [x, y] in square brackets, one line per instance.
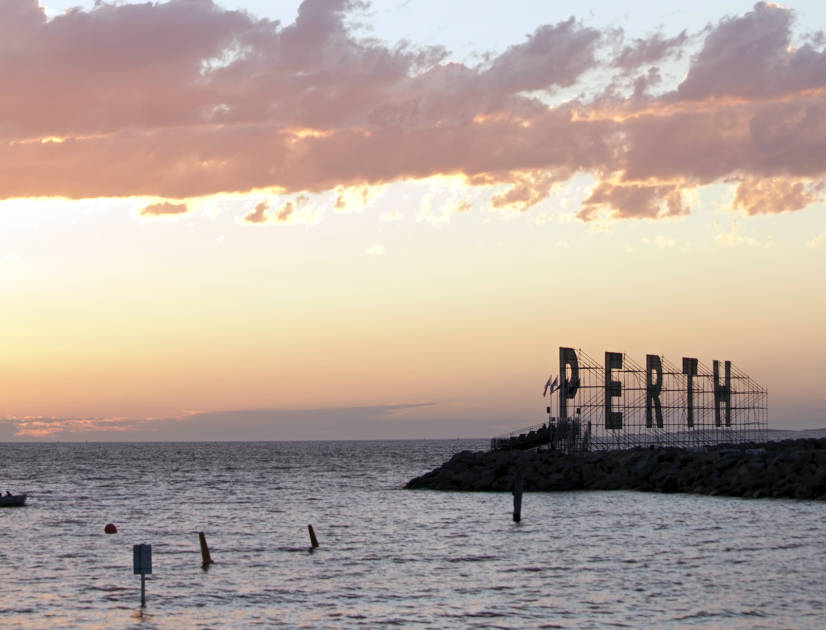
[110, 528]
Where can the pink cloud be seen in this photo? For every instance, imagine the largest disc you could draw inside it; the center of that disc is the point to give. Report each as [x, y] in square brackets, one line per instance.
[179, 99]
[554, 55]
[706, 143]
[648, 51]
[525, 192]
[634, 201]
[284, 213]
[751, 56]
[39, 427]
[164, 209]
[773, 195]
[259, 214]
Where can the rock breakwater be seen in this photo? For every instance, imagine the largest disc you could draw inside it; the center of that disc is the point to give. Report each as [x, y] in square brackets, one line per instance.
[784, 469]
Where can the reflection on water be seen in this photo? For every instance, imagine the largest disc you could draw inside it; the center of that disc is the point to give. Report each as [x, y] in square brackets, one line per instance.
[387, 556]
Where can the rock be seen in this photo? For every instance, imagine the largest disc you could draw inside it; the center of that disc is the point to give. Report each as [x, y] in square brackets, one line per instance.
[791, 468]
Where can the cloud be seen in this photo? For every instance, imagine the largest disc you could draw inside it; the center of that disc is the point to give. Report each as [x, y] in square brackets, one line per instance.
[774, 195]
[354, 198]
[634, 201]
[164, 208]
[376, 422]
[526, 190]
[259, 214]
[815, 242]
[46, 427]
[644, 82]
[554, 55]
[375, 250]
[284, 213]
[303, 208]
[752, 56]
[648, 51]
[184, 99]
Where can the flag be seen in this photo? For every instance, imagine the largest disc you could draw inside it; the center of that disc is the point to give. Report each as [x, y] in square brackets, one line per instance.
[554, 385]
[547, 386]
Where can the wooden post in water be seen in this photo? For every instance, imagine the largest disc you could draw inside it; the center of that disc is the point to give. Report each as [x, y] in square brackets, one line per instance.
[517, 494]
[313, 539]
[205, 557]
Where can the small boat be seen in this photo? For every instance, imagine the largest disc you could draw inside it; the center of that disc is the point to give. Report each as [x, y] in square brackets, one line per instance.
[12, 500]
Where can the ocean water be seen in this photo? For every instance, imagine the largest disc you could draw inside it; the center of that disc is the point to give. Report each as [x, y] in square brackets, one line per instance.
[388, 557]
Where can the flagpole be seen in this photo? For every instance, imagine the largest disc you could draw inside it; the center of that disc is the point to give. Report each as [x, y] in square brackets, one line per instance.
[558, 394]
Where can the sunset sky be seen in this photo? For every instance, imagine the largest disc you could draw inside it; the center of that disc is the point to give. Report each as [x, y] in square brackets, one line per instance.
[344, 219]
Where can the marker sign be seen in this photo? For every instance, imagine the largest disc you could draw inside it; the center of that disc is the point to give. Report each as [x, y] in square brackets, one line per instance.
[142, 565]
[142, 559]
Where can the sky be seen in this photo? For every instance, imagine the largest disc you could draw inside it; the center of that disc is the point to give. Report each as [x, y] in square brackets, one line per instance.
[340, 219]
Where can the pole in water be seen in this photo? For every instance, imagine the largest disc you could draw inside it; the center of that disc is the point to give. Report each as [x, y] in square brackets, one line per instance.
[142, 563]
[205, 557]
[517, 495]
[313, 539]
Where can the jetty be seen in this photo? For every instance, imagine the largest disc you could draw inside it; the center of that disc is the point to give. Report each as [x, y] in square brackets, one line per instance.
[794, 469]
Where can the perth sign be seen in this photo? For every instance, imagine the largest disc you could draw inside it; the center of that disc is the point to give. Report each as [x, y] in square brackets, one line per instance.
[620, 403]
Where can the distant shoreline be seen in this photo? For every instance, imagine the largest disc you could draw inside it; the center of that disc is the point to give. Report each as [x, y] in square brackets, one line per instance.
[774, 435]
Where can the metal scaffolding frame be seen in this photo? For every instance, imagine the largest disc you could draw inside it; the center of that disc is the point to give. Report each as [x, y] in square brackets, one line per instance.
[704, 420]
[726, 406]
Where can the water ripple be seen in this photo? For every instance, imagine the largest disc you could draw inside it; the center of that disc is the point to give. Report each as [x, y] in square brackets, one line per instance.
[387, 556]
